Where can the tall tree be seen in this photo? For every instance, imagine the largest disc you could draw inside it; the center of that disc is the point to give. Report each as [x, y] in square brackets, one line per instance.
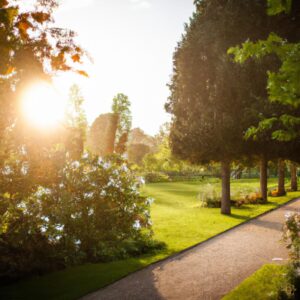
[76, 122]
[213, 101]
[121, 106]
[31, 49]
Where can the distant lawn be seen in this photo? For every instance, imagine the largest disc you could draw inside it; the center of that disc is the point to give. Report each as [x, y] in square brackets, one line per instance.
[265, 284]
[178, 220]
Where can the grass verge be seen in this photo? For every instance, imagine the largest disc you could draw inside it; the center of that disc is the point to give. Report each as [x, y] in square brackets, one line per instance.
[265, 284]
[178, 220]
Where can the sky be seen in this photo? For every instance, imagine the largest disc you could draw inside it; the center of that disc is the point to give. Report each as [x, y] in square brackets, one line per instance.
[131, 43]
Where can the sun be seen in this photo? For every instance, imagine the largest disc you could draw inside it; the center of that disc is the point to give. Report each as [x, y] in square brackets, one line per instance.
[42, 106]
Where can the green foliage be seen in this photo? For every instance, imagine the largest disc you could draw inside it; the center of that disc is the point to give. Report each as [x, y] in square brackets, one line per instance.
[121, 106]
[93, 212]
[283, 84]
[210, 100]
[278, 6]
[161, 160]
[136, 153]
[75, 123]
[292, 237]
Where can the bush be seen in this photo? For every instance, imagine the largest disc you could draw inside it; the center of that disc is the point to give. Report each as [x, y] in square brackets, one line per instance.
[274, 193]
[291, 235]
[154, 177]
[93, 213]
[209, 197]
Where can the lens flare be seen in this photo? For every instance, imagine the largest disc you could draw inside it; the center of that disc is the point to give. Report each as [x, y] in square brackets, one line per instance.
[42, 106]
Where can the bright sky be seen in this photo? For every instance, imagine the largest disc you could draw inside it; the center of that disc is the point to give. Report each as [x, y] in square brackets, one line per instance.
[131, 43]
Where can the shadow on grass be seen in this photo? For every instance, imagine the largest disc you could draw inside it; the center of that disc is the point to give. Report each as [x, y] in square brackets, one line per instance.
[239, 217]
[78, 281]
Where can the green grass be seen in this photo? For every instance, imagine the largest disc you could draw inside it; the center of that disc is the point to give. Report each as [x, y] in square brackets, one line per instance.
[264, 284]
[178, 220]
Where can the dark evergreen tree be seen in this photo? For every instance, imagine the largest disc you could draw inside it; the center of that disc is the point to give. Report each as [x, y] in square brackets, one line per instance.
[213, 101]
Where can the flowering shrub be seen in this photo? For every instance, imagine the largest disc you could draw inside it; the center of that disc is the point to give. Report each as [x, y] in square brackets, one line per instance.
[93, 212]
[209, 197]
[274, 193]
[291, 235]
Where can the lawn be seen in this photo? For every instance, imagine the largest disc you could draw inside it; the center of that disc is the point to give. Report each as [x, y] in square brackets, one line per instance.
[178, 220]
[265, 284]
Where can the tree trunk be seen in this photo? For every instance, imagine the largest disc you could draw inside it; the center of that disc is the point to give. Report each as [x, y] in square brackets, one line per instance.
[225, 201]
[264, 178]
[281, 175]
[294, 184]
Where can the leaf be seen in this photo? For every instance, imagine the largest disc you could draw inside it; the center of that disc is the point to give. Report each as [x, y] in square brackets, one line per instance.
[3, 3]
[10, 70]
[276, 7]
[76, 58]
[11, 13]
[40, 17]
[23, 26]
[83, 73]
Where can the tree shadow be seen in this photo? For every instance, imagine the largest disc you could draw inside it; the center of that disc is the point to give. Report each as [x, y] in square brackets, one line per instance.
[239, 217]
[268, 224]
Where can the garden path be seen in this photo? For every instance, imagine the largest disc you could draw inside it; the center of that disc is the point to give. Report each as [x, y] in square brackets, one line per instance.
[211, 269]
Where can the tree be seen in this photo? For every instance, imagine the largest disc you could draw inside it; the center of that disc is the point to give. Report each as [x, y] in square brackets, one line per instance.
[76, 123]
[281, 178]
[102, 134]
[283, 88]
[212, 100]
[25, 58]
[31, 49]
[121, 107]
[138, 136]
[136, 153]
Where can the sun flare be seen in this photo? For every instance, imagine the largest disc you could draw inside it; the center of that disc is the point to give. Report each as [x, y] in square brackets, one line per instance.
[42, 106]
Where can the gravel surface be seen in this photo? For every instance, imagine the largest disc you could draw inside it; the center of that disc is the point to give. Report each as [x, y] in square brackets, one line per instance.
[211, 269]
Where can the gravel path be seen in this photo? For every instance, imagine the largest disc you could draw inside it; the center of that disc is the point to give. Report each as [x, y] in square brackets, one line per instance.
[209, 270]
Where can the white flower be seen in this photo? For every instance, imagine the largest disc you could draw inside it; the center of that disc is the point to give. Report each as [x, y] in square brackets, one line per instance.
[142, 180]
[45, 219]
[89, 195]
[85, 155]
[149, 201]
[75, 164]
[103, 193]
[137, 224]
[288, 215]
[124, 168]
[106, 165]
[60, 227]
